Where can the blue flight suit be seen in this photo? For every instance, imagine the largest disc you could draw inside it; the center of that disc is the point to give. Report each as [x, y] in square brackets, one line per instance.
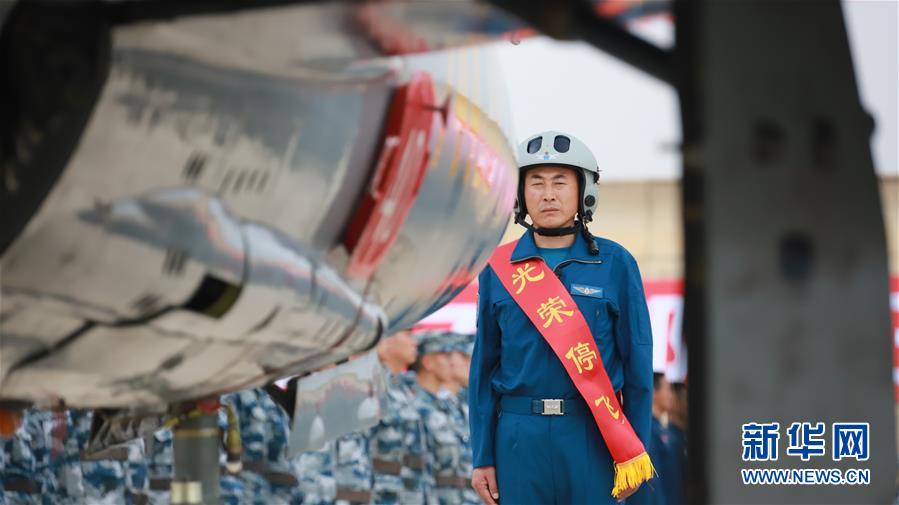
[677, 460]
[653, 491]
[558, 459]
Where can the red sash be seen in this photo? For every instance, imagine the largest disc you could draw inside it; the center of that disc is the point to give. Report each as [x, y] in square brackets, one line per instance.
[543, 297]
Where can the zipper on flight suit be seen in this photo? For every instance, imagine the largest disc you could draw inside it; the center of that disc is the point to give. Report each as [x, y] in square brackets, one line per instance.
[575, 260]
[561, 263]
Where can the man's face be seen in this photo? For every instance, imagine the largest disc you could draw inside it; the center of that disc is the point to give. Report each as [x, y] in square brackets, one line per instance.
[664, 395]
[399, 350]
[438, 363]
[551, 196]
[460, 362]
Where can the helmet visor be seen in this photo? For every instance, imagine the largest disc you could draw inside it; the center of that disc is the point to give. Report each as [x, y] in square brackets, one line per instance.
[561, 144]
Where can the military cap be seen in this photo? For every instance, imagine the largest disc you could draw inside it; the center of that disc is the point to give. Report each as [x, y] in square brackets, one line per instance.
[430, 341]
[465, 344]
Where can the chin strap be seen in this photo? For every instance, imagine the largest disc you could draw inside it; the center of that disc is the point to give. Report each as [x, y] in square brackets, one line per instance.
[556, 232]
[579, 226]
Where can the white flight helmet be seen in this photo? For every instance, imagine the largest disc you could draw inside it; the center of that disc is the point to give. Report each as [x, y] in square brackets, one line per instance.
[557, 148]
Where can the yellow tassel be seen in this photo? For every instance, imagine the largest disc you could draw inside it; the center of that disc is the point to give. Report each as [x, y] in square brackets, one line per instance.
[632, 473]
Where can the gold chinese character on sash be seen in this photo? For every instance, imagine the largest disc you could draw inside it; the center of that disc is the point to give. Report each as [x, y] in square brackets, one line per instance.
[523, 275]
[582, 355]
[551, 311]
[605, 400]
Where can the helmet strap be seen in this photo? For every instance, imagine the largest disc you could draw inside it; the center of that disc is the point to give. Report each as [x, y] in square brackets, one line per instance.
[548, 232]
[579, 227]
[557, 232]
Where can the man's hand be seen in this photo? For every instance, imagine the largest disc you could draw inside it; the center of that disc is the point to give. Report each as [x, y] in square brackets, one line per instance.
[483, 481]
[627, 492]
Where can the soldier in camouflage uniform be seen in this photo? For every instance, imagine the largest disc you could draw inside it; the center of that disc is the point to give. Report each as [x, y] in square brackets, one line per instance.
[19, 473]
[352, 469]
[460, 361]
[340, 473]
[284, 482]
[98, 481]
[397, 443]
[160, 456]
[137, 473]
[46, 449]
[116, 475]
[160, 461]
[385, 464]
[161, 469]
[267, 475]
[435, 405]
[316, 476]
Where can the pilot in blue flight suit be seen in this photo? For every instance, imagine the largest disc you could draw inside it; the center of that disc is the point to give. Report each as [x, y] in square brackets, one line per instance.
[524, 452]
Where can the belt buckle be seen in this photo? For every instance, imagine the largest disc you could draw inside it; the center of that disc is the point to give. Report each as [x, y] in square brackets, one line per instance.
[552, 407]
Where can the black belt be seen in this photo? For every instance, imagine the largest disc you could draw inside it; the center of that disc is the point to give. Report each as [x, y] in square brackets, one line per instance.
[353, 495]
[272, 476]
[160, 484]
[455, 481]
[110, 454]
[21, 485]
[524, 405]
[138, 498]
[414, 462]
[386, 466]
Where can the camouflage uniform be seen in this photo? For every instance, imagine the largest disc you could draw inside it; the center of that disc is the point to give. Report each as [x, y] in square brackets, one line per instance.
[352, 466]
[45, 455]
[316, 476]
[160, 465]
[399, 439]
[442, 440]
[263, 433]
[465, 345]
[161, 470]
[46, 450]
[19, 465]
[459, 418]
[340, 473]
[137, 472]
[283, 490]
[253, 435]
[445, 427]
[102, 481]
[267, 476]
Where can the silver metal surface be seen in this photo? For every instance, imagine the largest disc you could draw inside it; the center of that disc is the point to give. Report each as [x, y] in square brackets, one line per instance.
[193, 243]
[343, 399]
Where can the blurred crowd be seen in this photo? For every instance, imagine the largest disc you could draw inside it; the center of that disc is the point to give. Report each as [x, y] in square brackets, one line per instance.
[668, 448]
[418, 453]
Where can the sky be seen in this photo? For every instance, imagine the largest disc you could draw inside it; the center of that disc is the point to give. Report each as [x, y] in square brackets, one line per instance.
[631, 121]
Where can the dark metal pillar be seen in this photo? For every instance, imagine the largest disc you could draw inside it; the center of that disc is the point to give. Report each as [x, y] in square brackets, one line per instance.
[787, 316]
[196, 451]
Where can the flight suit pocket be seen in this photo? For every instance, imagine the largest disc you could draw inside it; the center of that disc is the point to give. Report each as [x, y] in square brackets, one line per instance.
[517, 332]
[598, 311]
